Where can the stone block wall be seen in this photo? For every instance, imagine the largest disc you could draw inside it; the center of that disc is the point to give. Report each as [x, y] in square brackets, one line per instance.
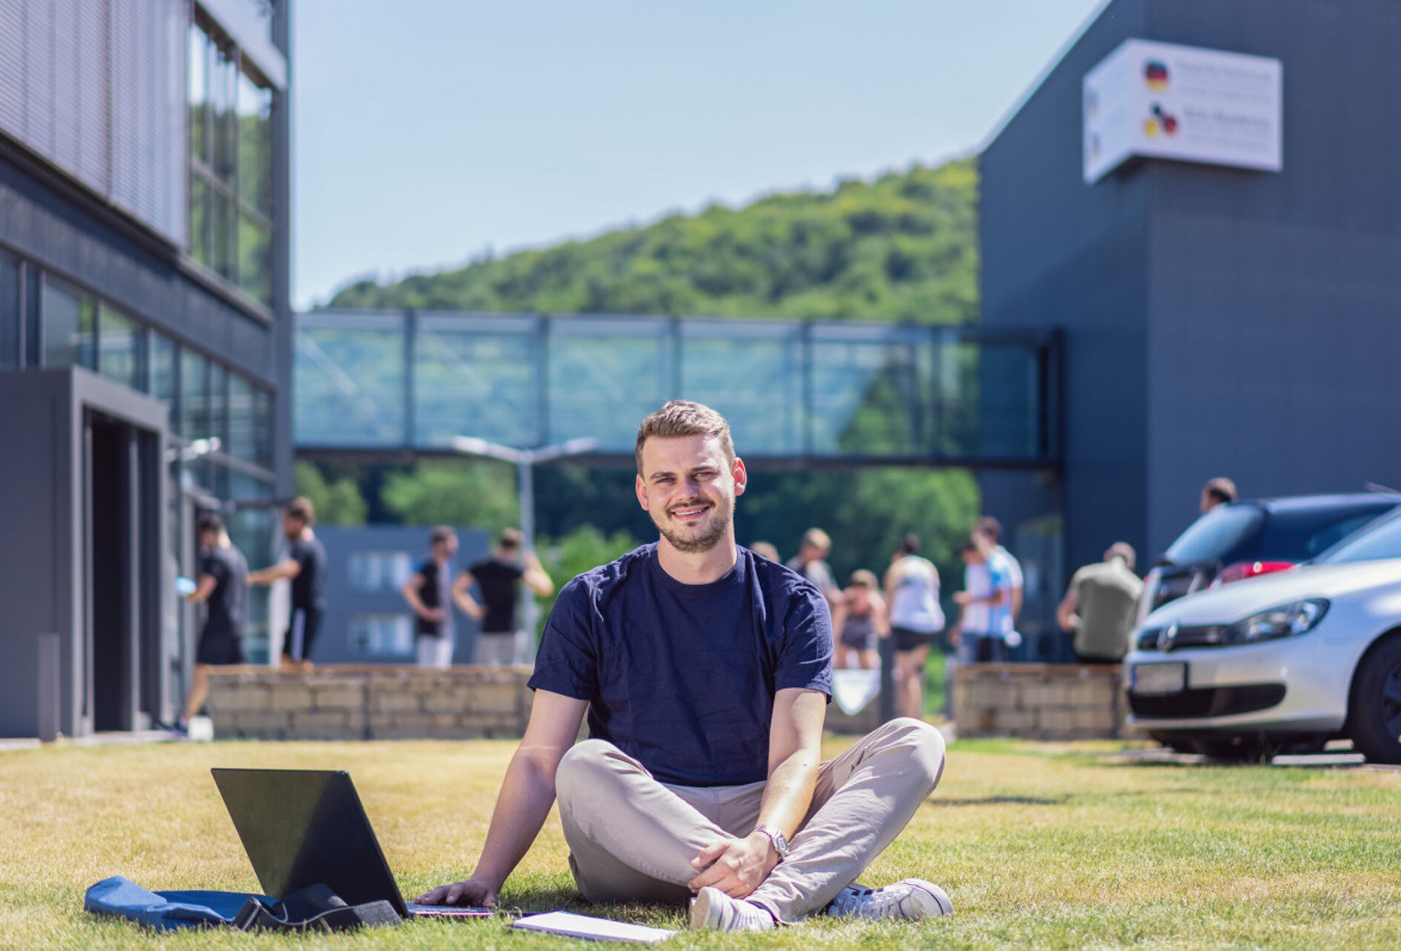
[369, 703]
[1039, 701]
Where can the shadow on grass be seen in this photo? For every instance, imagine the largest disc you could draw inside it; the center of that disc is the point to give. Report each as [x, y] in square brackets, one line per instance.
[1001, 801]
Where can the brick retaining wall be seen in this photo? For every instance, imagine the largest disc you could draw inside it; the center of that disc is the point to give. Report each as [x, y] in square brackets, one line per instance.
[369, 703]
[1039, 701]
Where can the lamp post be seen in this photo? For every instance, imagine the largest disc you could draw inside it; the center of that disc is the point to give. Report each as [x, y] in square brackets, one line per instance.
[524, 460]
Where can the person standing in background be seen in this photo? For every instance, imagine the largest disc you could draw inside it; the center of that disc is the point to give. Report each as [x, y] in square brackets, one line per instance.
[991, 528]
[985, 615]
[223, 588]
[765, 550]
[426, 592]
[304, 565]
[1218, 491]
[859, 620]
[498, 578]
[912, 597]
[811, 563]
[1100, 606]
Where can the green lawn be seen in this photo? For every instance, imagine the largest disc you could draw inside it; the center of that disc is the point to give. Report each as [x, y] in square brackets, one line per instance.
[1055, 846]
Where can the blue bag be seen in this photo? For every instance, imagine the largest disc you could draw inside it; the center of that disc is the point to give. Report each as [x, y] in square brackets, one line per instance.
[166, 911]
[316, 908]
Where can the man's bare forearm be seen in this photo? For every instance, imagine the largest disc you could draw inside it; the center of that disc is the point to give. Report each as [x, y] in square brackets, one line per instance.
[527, 793]
[788, 793]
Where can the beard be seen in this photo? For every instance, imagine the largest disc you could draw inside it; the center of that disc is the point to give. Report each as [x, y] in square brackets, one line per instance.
[694, 544]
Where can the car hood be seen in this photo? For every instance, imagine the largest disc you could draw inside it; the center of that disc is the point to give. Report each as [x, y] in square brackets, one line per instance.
[1232, 602]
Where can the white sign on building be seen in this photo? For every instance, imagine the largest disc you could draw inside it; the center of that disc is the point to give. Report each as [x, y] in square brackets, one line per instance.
[1180, 102]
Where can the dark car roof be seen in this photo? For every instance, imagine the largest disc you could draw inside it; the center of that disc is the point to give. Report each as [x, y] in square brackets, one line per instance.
[1294, 503]
[1291, 528]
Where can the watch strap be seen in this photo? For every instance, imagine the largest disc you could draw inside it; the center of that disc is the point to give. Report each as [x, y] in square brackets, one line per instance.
[780, 842]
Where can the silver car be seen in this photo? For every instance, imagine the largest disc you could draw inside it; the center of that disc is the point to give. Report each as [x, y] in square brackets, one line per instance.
[1286, 660]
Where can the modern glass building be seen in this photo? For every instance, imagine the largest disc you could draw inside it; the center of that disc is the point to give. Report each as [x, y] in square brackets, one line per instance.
[145, 338]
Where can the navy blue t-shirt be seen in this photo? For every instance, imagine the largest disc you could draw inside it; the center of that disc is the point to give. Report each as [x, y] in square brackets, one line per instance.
[682, 677]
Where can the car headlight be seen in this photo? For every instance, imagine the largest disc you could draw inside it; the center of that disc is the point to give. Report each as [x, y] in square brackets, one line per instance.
[1298, 617]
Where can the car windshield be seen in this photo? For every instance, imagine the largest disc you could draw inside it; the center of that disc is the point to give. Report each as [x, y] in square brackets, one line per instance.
[1380, 540]
[1210, 537]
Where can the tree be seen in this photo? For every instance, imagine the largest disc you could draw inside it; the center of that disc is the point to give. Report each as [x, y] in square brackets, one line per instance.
[479, 494]
[581, 550]
[337, 502]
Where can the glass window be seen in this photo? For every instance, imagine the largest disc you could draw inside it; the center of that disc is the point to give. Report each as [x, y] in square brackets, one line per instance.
[9, 313]
[201, 220]
[1215, 535]
[218, 404]
[378, 570]
[69, 319]
[255, 257]
[242, 444]
[121, 348]
[1379, 541]
[199, 94]
[254, 145]
[262, 428]
[194, 388]
[221, 233]
[253, 531]
[160, 378]
[380, 634]
[223, 81]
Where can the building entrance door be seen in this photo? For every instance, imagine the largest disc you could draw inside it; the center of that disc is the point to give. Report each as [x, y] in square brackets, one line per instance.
[121, 542]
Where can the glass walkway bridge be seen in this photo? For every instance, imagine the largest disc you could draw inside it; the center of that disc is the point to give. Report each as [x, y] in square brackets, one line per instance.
[395, 384]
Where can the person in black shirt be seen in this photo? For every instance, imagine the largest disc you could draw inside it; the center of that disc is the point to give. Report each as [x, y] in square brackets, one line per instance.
[498, 579]
[223, 589]
[425, 592]
[305, 566]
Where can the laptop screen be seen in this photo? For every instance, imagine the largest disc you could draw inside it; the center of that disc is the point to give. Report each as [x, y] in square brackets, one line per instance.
[303, 827]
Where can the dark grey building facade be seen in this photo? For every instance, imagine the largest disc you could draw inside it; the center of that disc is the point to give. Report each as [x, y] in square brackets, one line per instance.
[145, 330]
[367, 620]
[1216, 320]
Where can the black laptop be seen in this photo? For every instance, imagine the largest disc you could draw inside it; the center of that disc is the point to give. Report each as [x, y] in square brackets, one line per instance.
[303, 827]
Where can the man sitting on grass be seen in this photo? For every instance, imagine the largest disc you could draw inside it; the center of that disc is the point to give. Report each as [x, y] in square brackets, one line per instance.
[705, 671]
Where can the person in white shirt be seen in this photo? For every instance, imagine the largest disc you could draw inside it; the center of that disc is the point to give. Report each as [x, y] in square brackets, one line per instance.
[912, 597]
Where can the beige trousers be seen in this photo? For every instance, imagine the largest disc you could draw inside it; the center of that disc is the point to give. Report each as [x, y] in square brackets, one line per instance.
[632, 838]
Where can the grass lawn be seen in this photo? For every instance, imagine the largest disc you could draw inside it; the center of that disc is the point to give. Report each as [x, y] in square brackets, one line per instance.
[1048, 846]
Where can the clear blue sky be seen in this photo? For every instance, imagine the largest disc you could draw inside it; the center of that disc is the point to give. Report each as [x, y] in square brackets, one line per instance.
[429, 130]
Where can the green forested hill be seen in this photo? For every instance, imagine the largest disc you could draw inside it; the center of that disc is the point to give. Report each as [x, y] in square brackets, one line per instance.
[902, 247]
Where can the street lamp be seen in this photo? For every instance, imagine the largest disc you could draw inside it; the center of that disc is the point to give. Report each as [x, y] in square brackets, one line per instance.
[524, 460]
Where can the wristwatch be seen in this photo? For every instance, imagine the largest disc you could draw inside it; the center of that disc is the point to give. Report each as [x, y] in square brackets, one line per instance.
[780, 844]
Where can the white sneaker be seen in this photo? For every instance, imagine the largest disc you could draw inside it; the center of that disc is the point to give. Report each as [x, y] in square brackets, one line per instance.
[911, 898]
[712, 908]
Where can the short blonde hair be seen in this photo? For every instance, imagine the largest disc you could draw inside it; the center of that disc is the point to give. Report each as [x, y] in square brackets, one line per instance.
[684, 418]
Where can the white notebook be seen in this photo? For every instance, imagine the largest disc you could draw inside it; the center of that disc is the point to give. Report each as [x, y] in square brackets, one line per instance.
[583, 926]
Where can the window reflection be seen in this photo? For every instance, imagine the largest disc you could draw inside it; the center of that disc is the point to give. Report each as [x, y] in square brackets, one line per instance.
[160, 380]
[194, 385]
[254, 144]
[231, 189]
[242, 444]
[218, 404]
[121, 348]
[69, 319]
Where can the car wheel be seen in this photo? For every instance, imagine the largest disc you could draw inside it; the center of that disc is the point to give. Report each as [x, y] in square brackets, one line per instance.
[1236, 749]
[1374, 712]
